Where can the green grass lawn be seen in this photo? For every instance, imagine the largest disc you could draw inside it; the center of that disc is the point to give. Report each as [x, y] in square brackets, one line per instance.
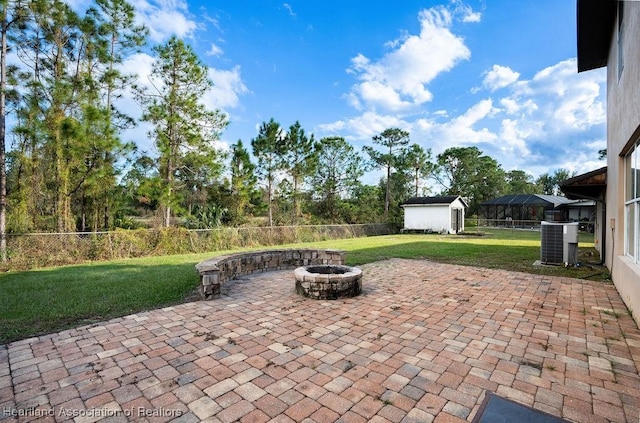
[47, 300]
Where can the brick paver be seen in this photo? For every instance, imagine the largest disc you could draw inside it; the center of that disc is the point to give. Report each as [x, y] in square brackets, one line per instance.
[424, 342]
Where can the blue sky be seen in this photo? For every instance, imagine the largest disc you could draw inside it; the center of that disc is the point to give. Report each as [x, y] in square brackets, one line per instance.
[497, 74]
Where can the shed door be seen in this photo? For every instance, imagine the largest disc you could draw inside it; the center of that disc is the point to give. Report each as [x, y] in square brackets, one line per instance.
[456, 220]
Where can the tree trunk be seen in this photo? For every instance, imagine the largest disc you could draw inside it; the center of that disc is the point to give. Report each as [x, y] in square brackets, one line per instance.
[295, 201]
[169, 179]
[63, 201]
[270, 201]
[3, 169]
[83, 214]
[107, 154]
[387, 200]
[167, 217]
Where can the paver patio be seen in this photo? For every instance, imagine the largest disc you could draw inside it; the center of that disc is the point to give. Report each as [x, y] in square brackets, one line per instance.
[423, 343]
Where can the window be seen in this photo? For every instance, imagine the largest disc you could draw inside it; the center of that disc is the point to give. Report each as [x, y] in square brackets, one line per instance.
[620, 38]
[632, 204]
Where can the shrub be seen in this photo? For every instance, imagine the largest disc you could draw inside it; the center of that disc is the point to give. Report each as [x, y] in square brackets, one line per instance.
[44, 250]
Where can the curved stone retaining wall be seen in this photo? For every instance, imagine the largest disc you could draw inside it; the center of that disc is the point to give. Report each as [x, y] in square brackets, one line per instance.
[217, 270]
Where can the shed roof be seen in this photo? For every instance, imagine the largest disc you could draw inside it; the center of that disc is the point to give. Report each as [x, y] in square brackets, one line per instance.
[552, 201]
[442, 199]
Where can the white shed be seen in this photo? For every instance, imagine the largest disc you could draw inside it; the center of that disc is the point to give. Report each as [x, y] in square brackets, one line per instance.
[444, 214]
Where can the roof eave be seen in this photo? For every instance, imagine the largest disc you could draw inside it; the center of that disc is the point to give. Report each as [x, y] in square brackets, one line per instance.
[424, 204]
[438, 200]
[591, 185]
[595, 23]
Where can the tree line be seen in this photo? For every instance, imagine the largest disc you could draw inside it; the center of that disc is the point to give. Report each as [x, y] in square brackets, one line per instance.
[68, 168]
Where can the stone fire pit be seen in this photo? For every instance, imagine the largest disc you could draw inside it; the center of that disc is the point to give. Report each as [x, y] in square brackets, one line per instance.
[328, 282]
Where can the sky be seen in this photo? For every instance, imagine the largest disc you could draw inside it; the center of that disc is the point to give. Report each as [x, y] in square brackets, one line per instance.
[500, 75]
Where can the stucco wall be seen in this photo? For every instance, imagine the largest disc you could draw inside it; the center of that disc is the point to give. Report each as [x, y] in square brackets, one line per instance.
[597, 230]
[623, 127]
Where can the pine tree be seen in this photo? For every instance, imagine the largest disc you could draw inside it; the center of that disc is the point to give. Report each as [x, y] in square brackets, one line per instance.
[114, 35]
[47, 46]
[266, 149]
[243, 181]
[394, 142]
[418, 160]
[11, 16]
[181, 123]
[298, 160]
[337, 174]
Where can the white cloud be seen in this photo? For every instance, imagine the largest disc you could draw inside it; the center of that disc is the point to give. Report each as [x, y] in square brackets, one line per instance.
[512, 107]
[139, 64]
[213, 21]
[499, 77]
[554, 119]
[466, 12]
[472, 17]
[475, 114]
[227, 88]
[539, 123]
[380, 94]
[363, 127]
[165, 18]
[214, 50]
[398, 80]
[79, 4]
[513, 136]
[228, 85]
[465, 129]
[550, 118]
[561, 98]
[576, 96]
[289, 9]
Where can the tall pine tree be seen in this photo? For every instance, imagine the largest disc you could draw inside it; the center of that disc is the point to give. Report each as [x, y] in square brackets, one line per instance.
[298, 160]
[266, 149]
[393, 142]
[181, 122]
[243, 182]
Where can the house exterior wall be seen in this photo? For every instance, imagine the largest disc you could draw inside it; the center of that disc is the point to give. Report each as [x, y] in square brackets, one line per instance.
[623, 128]
[598, 229]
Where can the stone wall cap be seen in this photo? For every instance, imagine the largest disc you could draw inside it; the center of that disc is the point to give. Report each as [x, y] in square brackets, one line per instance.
[207, 267]
[212, 263]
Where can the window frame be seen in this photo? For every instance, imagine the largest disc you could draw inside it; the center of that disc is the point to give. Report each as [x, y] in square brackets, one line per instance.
[632, 203]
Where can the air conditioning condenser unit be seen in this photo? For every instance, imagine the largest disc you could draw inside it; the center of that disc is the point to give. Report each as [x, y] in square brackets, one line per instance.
[559, 243]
